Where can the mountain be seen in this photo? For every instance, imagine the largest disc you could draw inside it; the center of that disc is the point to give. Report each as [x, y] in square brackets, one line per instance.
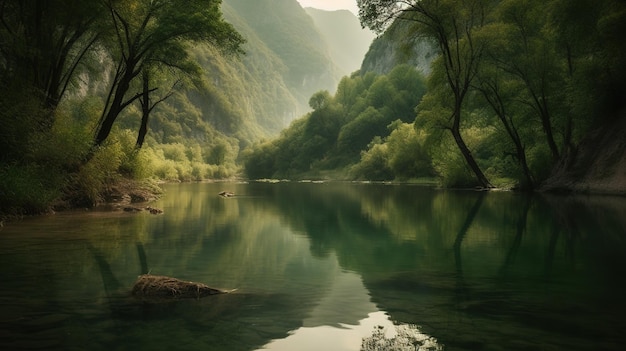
[347, 40]
[257, 95]
[392, 48]
[283, 27]
[290, 54]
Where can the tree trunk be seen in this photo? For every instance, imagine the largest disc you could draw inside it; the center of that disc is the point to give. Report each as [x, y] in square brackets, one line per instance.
[117, 105]
[145, 111]
[547, 128]
[471, 162]
[111, 115]
[465, 151]
[492, 96]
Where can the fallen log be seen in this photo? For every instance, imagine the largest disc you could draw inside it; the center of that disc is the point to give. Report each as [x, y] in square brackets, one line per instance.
[150, 286]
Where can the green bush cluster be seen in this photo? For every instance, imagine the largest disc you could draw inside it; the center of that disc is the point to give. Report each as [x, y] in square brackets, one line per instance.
[26, 189]
[400, 156]
[340, 127]
[180, 162]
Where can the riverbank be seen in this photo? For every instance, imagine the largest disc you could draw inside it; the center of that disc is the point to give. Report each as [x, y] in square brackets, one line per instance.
[597, 166]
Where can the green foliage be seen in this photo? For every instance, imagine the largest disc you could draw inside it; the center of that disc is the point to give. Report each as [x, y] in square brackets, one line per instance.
[28, 189]
[400, 156]
[356, 134]
[341, 126]
[43, 44]
[87, 186]
[320, 100]
[522, 86]
[260, 162]
[449, 165]
[19, 120]
[373, 164]
[408, 158]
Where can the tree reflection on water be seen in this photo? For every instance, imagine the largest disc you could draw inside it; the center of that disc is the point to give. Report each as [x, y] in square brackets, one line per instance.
[404, 337]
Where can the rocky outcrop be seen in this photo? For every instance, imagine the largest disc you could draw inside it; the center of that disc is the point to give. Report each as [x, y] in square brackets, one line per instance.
[597, 165]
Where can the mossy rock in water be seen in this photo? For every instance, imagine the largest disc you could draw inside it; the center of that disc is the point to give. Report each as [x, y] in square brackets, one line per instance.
[150, 286]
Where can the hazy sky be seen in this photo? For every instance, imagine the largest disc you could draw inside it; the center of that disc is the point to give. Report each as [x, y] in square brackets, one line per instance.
[331, 4]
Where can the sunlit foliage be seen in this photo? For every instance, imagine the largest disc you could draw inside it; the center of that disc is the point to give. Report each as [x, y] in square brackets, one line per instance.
[341, 126]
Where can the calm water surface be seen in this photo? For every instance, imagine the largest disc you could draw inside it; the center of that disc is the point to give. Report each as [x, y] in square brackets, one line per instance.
[329, 266]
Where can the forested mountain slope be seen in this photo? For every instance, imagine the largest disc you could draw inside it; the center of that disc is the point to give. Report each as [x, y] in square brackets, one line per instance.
[288, 57]
[286, 30]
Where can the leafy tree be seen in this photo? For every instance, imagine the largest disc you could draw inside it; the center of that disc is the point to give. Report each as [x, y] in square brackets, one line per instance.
[43, 47]
[501, 93]
[408, 158]
[530, 56]
[589, 37]
[260, 162]
[44, 43]
[324, 122]
[348, 91]
[355, 135]
[380, 93]
[148, 32]
[451, 24]
[320, 100]
[373, 164]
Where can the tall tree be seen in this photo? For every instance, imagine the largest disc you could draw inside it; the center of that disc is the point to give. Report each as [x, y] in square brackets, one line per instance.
[148, 104]
[43, 43]
[530, 57]
[451, 24]
[157, 32]
[494, 90]
[502, 93]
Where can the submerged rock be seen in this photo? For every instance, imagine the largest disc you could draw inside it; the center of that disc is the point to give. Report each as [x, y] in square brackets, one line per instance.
[154, 210]
[162, 287]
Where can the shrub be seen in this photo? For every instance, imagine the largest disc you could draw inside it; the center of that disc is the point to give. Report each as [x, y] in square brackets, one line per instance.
[28, 189]
[373, 164]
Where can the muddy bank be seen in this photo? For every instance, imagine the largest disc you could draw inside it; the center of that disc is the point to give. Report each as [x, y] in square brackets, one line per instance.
[596, 166]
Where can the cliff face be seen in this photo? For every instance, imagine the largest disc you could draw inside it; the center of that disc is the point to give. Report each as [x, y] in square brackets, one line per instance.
[597, 166]
[392, 49]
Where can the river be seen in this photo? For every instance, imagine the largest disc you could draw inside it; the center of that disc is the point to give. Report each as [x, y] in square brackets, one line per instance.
[323, 266]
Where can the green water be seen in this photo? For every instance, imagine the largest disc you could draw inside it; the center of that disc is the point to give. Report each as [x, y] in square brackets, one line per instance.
[330, 266]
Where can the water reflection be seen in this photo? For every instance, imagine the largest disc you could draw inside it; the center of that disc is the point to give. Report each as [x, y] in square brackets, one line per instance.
[359, 266]
[404, 337]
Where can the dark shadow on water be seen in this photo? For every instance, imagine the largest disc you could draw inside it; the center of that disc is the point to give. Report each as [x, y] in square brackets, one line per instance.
[462, 290]
[141, 252]
[520, 228]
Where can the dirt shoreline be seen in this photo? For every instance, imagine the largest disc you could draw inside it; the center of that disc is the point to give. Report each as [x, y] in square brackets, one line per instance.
[597, 166]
